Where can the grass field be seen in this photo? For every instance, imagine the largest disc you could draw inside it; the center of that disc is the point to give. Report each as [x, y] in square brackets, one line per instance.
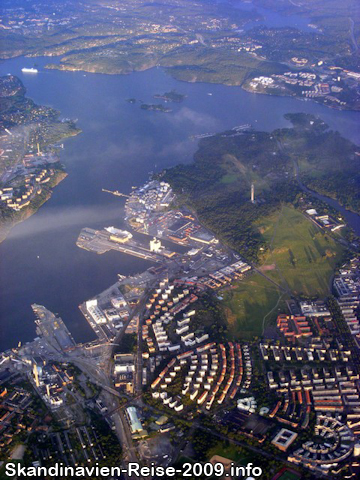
[249, 302]
[232, 452]
[302, 257]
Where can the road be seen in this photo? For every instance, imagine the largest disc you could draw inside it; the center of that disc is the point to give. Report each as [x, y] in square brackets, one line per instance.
[140, 307]
[139, 363]
[121, 423]
[102, 376]
[111, 400]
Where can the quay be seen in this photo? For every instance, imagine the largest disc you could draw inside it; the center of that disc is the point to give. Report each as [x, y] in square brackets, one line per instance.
[115, 192]
[102, 241]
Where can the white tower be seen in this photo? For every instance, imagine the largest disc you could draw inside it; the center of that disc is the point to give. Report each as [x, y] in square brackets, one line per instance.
[252, 193]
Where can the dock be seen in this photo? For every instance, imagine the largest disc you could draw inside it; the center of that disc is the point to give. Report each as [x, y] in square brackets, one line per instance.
[99, 241]
[115, 192]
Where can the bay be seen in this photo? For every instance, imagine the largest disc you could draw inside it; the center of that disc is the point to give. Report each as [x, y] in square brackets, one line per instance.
[118, 147]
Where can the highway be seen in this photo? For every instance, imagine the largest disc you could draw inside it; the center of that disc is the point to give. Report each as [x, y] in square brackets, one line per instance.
[121, 423]
[138, 364]
[140, 307]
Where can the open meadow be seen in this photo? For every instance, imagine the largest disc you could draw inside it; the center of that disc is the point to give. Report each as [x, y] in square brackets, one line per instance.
[302, 257]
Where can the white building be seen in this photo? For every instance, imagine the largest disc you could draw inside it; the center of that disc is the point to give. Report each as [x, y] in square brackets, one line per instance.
[95, 312]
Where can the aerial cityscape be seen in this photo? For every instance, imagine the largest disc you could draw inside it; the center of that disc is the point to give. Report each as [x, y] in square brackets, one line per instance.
[180, 239]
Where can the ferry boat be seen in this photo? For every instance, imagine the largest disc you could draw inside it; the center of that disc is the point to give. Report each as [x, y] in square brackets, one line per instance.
[29, 70]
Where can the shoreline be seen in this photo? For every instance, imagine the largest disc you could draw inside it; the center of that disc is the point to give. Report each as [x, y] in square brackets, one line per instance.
[168, 70]
[6, 227]
[30, 174]
[303, 99]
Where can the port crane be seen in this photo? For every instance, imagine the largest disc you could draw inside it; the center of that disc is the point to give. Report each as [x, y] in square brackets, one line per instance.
[115, 192]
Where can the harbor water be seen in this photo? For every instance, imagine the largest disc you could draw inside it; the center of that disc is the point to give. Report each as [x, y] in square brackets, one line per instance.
[119, 145]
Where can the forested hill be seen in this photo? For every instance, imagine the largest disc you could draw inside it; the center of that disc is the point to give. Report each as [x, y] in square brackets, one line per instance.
[217, 184]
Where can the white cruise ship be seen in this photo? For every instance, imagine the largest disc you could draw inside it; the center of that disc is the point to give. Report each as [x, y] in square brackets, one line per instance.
[29, 70]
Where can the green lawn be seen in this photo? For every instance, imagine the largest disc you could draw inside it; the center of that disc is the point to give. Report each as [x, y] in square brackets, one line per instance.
[232, 452]
[248, 303]
[229, 178]
[302, 257]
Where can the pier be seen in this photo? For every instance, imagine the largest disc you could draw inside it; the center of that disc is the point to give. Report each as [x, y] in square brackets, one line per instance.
[115, 192]
[99, 241]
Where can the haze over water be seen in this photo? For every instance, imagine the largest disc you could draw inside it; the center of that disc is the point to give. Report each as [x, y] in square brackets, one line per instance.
[119, 146]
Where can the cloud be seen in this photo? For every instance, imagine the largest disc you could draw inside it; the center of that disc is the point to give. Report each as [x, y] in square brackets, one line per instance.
[178, 151]
[188, 115]
[61, 218]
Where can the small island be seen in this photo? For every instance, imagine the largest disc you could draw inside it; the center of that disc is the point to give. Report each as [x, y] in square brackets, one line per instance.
[172, 96]
[155, 107]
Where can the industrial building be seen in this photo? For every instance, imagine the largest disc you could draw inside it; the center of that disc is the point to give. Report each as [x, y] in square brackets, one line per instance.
[136, 427]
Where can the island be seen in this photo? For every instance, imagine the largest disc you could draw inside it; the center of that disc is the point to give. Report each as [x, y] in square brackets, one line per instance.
[172, 96]
[30, 168]
[155, 108]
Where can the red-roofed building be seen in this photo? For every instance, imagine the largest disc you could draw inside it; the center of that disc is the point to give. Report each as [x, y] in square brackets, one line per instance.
[293, 327]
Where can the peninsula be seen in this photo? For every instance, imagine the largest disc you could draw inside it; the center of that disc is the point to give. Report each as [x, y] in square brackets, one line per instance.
[30, 167]
[227, 340]
[214, 42]
[243, 183]
[225, 382]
